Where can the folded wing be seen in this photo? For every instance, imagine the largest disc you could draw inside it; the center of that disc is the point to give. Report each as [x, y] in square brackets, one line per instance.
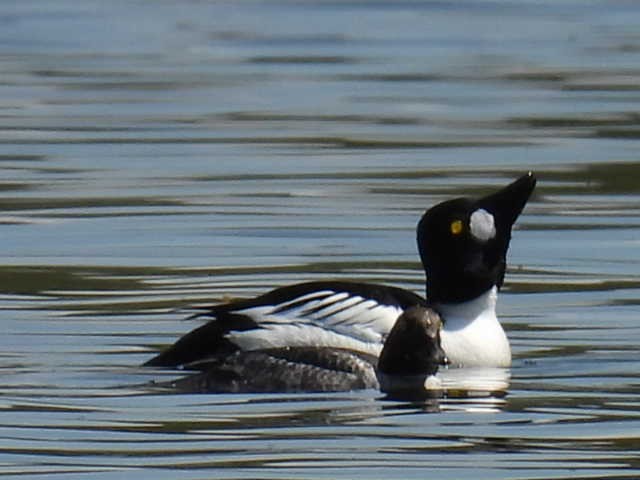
[346, 315]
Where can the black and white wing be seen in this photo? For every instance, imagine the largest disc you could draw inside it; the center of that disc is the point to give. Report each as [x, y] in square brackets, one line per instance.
[345, 315]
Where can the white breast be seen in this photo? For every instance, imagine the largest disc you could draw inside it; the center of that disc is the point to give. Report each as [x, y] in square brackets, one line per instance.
[472, 335]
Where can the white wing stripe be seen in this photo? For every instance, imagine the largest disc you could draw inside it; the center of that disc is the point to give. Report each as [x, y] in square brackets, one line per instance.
[336, 319]
[356, 313]
[362, 313]
[329, 313]
[298, 300]
[296, 335]
[309, 309]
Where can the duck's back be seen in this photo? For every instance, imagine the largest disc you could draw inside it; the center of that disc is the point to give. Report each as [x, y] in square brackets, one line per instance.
[338, 315]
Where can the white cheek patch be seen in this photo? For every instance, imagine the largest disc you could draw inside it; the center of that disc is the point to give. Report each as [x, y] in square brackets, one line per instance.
[482, 225]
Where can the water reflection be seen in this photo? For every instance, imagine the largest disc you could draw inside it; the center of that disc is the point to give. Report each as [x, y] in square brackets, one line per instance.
[475, 382]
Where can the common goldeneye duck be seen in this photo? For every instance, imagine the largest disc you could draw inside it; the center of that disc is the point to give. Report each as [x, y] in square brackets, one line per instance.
[463, 246]
[406, 366]
[412, 354]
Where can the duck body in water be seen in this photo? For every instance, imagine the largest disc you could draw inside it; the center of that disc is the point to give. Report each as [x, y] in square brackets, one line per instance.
[407, 364]
[463, 245]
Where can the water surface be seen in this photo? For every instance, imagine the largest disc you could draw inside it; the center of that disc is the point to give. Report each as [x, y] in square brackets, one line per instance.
[156, 155]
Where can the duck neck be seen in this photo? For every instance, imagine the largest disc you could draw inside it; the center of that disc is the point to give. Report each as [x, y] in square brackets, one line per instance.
[472, 335]
[466, 312]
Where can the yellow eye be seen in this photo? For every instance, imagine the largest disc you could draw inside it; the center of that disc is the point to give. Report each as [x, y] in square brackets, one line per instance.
[456, 227]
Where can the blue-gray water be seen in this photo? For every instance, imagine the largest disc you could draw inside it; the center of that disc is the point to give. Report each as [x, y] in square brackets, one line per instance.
[158, 154]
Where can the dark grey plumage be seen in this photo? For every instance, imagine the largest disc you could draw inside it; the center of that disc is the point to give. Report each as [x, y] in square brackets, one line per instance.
[293, 369]
[411, 353]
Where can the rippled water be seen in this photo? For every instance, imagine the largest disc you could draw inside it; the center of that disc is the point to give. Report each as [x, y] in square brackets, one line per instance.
[156, 155]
